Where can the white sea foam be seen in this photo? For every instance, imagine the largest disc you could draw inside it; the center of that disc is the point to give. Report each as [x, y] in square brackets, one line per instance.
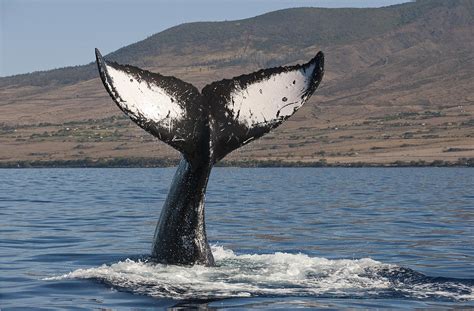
[278, 274]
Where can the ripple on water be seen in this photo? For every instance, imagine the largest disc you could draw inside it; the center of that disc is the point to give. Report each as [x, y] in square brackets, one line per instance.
[54, 221]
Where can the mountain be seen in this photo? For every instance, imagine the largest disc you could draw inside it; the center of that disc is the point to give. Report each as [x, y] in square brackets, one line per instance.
[398, 88]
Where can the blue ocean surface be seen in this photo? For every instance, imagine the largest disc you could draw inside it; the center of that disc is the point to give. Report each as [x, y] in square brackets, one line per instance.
[328, 238]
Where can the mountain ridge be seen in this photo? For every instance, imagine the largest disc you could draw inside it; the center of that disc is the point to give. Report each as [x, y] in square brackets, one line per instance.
[185, 34]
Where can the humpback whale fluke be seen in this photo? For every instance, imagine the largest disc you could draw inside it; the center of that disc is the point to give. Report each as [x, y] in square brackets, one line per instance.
[204, 126]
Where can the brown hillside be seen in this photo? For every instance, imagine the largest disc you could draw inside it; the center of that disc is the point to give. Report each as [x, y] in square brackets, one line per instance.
[399, 86]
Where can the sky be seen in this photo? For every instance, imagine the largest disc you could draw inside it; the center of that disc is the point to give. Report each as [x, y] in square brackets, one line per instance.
[46, 34]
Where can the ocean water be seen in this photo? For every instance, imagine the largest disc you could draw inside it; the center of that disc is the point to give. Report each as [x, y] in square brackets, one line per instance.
[322, 238]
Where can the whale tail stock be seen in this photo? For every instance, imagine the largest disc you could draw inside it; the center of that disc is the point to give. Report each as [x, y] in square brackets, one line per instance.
[204, 126]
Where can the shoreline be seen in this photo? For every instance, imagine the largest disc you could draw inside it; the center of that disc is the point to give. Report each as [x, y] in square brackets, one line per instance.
[164, 163]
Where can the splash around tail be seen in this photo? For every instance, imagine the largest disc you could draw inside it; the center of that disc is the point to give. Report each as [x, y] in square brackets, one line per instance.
[277, 274]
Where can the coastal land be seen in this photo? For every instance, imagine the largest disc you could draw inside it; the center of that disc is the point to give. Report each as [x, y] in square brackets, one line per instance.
[398, 91]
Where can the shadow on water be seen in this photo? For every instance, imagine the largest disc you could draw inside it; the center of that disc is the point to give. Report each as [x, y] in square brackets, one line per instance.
[197, 304]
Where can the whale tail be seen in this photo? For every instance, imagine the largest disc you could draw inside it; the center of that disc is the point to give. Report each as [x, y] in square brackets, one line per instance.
[204, 126]
[236, 111]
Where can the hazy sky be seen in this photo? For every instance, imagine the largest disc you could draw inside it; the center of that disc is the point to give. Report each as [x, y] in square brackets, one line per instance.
[46, 34]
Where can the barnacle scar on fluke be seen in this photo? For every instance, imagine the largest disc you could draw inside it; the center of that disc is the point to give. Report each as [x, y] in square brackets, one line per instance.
[204, 126]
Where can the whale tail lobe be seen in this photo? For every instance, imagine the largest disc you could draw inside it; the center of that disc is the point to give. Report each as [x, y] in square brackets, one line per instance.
[225, 115]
